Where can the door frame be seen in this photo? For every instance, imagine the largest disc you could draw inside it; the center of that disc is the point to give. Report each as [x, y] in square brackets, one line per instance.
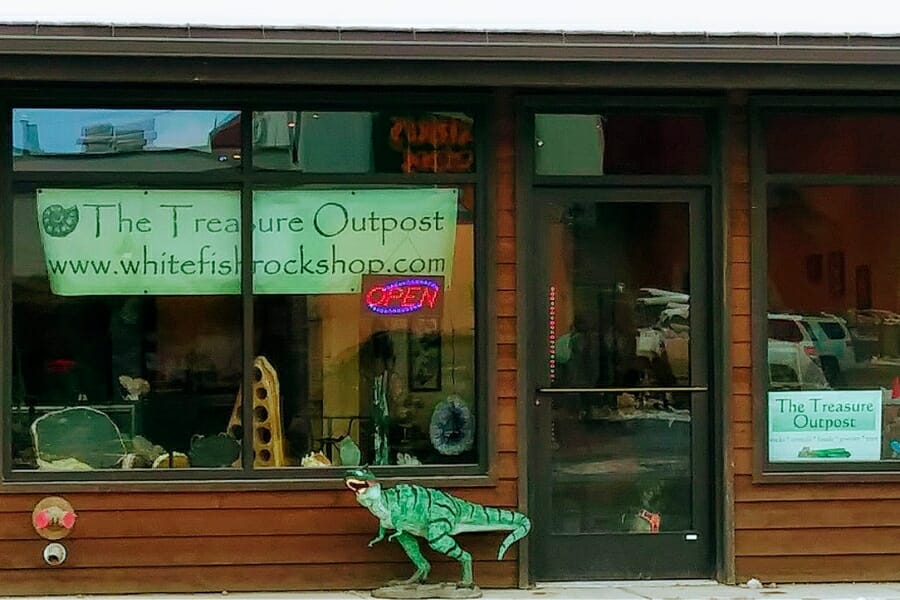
[697, 563]
[721, 128]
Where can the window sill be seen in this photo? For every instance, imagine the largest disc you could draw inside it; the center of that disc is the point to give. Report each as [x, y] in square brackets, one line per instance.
[29, 484]
[849, 476]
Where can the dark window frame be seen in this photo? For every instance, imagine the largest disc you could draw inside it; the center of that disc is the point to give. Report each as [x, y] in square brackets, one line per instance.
[763, 470]
[246, 179]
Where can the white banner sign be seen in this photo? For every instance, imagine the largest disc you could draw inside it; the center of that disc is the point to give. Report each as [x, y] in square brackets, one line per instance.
[109, 242]
[830, 425]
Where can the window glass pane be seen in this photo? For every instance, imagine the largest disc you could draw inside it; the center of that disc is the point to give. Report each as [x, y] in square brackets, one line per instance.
[834, 323]
[50, 139]
[619, 316]
[126, 329]
[852, 144]
[620, 144]
[314, 141]
[620, 296]
[364, 327]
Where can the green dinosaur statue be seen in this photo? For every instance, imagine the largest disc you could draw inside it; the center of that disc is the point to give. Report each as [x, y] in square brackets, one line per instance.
[413, 510]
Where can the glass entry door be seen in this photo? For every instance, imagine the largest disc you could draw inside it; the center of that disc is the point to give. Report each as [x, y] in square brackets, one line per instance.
[620, 434]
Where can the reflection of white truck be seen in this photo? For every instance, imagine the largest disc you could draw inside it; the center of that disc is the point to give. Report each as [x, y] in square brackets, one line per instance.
[665, 329]
[670, 335]
[824, 337]
[790, 364]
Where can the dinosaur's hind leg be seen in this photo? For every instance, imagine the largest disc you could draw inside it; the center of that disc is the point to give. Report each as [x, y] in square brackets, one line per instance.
[411, 547]
[439, 539]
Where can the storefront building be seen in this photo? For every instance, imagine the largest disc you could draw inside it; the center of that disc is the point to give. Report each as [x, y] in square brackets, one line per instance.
[645, 289]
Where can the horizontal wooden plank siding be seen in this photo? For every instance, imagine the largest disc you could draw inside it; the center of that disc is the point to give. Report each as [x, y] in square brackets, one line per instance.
[503, 494]
[283, 549]
[826, 541]
[748, 492]
[794, 532]
[815, 568]
[801, 514]
[276, 540]
[239, 577]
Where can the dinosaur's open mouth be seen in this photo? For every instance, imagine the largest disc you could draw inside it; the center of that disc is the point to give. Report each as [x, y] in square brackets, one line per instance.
[358, 486]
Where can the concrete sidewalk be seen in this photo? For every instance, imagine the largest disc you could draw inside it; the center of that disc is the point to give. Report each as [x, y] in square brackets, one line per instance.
[622, 590]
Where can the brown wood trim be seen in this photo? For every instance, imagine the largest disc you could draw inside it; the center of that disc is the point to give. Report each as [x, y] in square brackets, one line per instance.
[749, 492]
[774, 477]
[758, 294]
[728, 143]
[521, 130]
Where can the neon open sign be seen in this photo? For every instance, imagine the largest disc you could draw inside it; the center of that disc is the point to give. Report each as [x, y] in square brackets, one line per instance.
[403, 296]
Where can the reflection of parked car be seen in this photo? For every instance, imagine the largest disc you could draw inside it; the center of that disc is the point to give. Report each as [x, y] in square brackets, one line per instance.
[834, 343]
[790, 367]
[792, 328]
[792, 350]
[823, 337]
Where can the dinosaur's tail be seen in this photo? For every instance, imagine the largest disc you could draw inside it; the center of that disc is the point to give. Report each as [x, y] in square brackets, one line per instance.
[522, 527]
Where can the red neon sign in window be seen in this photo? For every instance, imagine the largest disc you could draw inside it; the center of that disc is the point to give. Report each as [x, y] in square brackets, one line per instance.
[403, 296]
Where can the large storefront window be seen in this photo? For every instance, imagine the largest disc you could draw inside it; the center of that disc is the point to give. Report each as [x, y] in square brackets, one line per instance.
[367, 322]
[833, 295]
[141, 313]
[126, 346]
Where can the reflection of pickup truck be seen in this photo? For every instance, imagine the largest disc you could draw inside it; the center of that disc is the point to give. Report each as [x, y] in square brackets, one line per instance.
[669, 337]
[790, 365]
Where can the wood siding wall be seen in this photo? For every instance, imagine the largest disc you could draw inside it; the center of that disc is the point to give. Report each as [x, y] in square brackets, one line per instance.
[802, 532]
[275, 540]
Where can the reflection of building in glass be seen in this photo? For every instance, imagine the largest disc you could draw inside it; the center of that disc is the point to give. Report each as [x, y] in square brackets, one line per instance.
[108, 138]
[31, 143]
[125, 140]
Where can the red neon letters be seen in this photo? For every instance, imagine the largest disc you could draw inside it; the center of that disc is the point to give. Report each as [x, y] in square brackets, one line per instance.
[403, 296]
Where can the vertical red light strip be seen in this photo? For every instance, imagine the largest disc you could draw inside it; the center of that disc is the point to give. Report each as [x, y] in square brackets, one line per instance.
[552, 333]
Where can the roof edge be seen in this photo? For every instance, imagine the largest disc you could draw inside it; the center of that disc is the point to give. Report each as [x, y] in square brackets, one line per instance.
[442, 45]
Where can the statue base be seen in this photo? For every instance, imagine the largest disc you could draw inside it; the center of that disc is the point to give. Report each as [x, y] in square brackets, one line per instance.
[426, 590]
